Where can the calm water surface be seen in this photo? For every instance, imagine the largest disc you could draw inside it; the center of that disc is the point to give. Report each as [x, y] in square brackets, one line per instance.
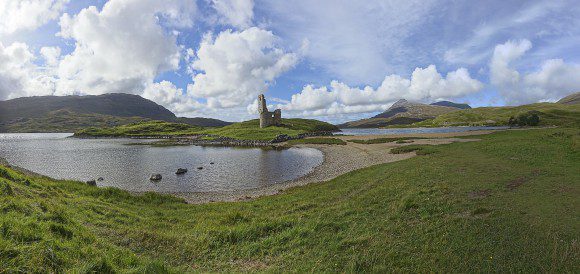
[375, 131]
[129, 166]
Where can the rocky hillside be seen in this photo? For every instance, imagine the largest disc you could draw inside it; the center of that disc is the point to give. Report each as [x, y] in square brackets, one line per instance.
[71, 113]
[571, 99]
[404, 112]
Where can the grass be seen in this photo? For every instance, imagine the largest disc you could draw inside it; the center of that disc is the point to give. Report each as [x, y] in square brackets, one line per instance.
[149, 128]
[508, 203]
[550, 114]
[323, 141]
[384, 140]
[250, 130]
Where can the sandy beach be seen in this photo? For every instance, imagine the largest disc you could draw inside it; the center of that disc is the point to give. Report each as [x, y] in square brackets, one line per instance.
[338, 160]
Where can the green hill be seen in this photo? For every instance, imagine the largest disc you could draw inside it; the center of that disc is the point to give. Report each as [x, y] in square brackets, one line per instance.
[508, 203]
[248, 130]
[549, 113]
[148, 128]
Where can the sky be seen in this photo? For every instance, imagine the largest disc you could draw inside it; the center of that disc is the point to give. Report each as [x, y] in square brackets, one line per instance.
[330, 60]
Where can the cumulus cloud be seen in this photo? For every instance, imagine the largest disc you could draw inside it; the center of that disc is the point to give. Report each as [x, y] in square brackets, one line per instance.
[168, 95]
[19, 76]
[553, 80]
[123, 47]
[16, 15]
[231, 69]
[425, 84]
[238, 13]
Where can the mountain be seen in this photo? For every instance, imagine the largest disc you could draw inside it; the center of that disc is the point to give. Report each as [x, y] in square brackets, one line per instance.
[402, 112]
[70, 113]
[571, 99]
[451, 104]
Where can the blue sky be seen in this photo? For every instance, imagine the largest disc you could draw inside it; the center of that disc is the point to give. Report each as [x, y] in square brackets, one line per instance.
[330, 60]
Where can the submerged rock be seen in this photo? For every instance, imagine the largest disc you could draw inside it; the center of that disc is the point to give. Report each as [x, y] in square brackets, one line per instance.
[200, 168]
[92, 183]
[155, 177]
[211, 163]
[181, 171]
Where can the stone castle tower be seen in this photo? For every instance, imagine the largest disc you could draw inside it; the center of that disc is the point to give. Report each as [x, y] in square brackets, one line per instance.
[268, 118]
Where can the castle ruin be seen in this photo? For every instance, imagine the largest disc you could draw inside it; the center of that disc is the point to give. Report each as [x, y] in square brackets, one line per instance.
[268, 118]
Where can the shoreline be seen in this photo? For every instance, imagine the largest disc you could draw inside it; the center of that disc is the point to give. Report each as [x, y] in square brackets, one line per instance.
[337, 160]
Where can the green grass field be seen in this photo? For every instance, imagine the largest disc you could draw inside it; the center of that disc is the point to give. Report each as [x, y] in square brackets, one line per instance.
[551, 114]
[508, 203]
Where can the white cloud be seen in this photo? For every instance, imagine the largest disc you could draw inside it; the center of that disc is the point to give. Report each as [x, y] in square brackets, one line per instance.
[19, 76]
[235, 67]
[238, 13]
[553, 80]
[16, 15]
[533, 19]
[355, 41]
[168, 95]
[122, 47]
[426, 84]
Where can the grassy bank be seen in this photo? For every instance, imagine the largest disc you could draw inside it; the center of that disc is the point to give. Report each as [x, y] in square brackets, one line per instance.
[550, 114]
[506, 204]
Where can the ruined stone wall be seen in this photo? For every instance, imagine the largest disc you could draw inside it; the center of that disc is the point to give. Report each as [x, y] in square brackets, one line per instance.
[268, 118]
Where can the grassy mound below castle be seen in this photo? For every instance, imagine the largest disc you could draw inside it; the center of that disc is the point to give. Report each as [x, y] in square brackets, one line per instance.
[508, 203]
[248, 130]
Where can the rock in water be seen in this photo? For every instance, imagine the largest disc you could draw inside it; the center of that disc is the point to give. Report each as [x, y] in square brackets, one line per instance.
[200, 168]
[155, 177]
[211, 163]
[92, 183]
[100, 179]
[181, 171]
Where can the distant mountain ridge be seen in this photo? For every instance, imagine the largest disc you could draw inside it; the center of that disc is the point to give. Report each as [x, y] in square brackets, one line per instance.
[66, 113]
[571, 99]
[451, 104]
[404, 112]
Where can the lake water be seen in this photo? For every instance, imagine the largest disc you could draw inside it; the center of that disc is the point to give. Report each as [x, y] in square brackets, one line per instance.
[376, 131]
[130, 166]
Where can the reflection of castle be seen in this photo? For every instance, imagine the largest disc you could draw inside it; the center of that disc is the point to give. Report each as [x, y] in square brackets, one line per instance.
[268, 118]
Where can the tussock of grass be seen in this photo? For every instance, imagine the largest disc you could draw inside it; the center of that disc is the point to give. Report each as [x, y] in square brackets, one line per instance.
[384, 140]
[416, 215]
[323, 141]
[419, 149]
